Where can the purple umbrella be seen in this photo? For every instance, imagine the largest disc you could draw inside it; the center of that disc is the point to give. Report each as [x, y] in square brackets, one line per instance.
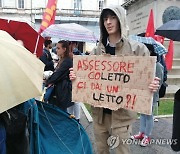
[71, 32]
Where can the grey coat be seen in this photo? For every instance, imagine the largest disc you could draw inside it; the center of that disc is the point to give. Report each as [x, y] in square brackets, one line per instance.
[159, 74]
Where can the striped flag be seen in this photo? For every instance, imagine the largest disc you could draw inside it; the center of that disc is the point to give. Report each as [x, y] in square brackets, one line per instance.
[49, 15]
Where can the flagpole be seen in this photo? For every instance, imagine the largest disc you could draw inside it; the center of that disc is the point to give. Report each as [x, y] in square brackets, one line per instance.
[35, 49]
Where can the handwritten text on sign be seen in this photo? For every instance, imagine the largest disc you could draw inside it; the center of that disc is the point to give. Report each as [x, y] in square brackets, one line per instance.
[114, 82]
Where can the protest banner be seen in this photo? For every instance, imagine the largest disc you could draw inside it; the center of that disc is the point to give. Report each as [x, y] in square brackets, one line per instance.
[114, 82]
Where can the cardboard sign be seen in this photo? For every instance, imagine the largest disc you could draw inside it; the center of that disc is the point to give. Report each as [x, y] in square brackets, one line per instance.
[114, 82]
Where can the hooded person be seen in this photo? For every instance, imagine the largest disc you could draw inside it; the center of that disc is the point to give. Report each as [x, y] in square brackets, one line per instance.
[111, 128]
[114, 126]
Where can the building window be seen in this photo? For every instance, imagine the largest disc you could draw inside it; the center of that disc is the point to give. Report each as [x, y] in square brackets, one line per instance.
[77, 7]
[20, 3]
[101, 3]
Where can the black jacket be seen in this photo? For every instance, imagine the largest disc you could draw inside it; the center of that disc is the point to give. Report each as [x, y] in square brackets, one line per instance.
[176, 125]
[47, 60]
[63, 85]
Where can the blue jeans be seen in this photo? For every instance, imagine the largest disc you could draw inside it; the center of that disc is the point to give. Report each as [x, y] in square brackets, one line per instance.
[2, 139]
[146, 124]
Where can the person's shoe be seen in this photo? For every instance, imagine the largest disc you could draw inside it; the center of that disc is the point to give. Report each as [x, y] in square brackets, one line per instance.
[139, 136]
[146, 140]
[155, 120]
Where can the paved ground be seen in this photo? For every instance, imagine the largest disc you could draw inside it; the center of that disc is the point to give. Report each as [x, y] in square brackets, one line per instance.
[162, 129]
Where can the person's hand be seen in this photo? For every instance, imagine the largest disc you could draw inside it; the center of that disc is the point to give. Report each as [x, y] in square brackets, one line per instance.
[154, 85]
[47, 74]
[72, 74]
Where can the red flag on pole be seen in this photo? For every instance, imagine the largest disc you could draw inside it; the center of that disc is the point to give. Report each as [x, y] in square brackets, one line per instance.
[159, 38]
[49, 15]
[169, 55]
[150, 26]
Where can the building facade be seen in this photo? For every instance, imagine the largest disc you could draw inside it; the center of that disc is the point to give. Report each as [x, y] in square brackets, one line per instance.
[83, 12]
[138, 13]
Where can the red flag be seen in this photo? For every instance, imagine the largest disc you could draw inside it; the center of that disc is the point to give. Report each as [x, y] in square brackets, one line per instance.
[150, 26]
[159, 38]
[169, 55]
[49, 15]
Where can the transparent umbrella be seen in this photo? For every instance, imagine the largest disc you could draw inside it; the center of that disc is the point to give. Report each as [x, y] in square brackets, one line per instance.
[70, 31]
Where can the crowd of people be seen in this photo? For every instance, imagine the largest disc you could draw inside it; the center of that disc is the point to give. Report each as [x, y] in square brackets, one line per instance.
[113, 40]
[57, 75]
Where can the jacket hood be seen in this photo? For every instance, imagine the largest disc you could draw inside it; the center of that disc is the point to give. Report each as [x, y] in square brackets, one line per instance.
[120, 13]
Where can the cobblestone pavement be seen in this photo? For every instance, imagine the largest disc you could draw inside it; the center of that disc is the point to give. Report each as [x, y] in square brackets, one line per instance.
[162, 130]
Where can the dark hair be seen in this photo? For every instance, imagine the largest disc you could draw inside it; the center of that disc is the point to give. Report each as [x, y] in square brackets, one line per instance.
[65, 44]
[74, 42]
[47, 42]
[151, 49]
[106, 13]
[152, 52]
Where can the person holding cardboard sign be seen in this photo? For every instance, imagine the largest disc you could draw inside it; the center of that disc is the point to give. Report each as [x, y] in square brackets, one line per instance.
[111, 128]
[147, 121]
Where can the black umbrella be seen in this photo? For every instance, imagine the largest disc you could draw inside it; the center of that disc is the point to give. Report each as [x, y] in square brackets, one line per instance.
[170, 30]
